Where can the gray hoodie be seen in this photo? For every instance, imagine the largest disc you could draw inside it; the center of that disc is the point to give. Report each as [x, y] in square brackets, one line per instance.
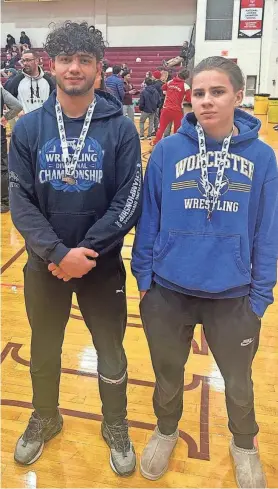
[31, 91]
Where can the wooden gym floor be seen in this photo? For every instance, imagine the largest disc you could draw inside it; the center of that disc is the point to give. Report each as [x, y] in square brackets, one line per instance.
[78, 457]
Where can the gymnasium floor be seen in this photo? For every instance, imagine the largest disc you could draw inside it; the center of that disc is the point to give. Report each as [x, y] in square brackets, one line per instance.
[78, 457]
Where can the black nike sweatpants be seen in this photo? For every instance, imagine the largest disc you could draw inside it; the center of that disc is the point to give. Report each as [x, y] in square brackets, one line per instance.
[102, 300]
[232, 331]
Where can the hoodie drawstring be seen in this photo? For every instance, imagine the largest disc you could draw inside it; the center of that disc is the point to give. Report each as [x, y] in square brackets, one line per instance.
[32, 92]
[38, 90]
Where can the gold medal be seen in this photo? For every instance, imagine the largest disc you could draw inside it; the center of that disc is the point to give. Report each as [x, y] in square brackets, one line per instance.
[69, 180]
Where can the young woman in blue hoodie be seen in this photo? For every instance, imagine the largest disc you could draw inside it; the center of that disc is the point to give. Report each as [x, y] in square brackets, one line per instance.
[206, 252]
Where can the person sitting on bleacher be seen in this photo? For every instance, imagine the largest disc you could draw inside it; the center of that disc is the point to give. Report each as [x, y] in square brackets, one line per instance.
[10, 41]
[10, 62]
[24, 39]
[32, 87]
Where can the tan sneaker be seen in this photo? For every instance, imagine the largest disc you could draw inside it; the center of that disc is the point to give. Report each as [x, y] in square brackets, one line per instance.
[248, 469]
[155, 457]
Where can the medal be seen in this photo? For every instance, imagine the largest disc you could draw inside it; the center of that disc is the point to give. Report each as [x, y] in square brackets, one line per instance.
[70, 162]
[69, 180]
[211, 200]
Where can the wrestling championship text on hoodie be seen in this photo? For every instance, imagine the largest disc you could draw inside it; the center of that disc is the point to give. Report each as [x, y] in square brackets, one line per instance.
[98, 206]
[235, 253]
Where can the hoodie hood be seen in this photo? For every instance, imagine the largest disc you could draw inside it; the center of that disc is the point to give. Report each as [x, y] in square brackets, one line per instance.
[151, 88]
[107, 105]
[40, 75]
[247, 125]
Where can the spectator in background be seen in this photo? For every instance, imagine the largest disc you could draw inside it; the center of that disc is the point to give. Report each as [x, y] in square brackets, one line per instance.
[10, 41]
[176, 92]
[105, 64]
[14, 108]
[32, 87]
[187, 53]
[11, 73]
[25, 47]
[148, 104]
[157, 83]
[24, 39]
[115, 84]
[14, 49]
[10, 62]
[124, 68]
[129, 91]
[15, 59]
[100, 82]
[148, 75]
[108, 72]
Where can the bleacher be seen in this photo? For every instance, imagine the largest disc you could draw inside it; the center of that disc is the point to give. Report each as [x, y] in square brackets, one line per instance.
[151, 59]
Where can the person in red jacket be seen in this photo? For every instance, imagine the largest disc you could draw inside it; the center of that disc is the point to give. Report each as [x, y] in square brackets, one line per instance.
[176, 92]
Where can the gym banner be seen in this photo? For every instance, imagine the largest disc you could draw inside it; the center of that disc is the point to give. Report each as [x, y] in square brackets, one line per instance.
[251, 16]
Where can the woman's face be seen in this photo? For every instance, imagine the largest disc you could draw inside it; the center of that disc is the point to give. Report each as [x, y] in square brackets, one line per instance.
[214, 98]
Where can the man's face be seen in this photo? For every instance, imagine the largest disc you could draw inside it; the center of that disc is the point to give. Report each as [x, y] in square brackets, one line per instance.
[75, 74]
[30, 63]
[8, 57]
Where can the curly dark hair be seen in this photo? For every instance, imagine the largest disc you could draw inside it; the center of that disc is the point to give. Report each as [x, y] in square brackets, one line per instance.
[71, 37]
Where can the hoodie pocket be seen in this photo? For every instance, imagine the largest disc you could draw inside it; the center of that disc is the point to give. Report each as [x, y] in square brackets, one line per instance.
[204, 262]
[72, 227]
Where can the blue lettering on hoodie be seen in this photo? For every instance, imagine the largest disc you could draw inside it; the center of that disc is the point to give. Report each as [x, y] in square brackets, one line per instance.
[96, 207]
[233, 254]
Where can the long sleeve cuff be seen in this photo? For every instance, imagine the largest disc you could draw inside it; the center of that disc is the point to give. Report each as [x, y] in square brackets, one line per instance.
[86, 243]
[59, 252]
[258, 305]
[144, 281]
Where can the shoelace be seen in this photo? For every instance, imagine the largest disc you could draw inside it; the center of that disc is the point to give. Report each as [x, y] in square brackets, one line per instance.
[120, 437]
[34, 429]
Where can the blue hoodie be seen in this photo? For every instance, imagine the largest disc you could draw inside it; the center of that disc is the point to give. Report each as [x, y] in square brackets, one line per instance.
[103, 202]
[233, 254]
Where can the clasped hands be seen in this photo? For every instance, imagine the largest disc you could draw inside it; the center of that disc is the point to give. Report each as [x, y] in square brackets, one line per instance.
[75, 264]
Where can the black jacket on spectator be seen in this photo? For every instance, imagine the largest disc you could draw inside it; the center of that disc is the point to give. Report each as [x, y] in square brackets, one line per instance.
[10, 42]
[149, 100]
[158, 84]
[9, 81]
[25, 40]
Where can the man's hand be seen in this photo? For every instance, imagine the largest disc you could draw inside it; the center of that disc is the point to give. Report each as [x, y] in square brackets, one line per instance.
[58, 272]
[3, 121]
[75, 264]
